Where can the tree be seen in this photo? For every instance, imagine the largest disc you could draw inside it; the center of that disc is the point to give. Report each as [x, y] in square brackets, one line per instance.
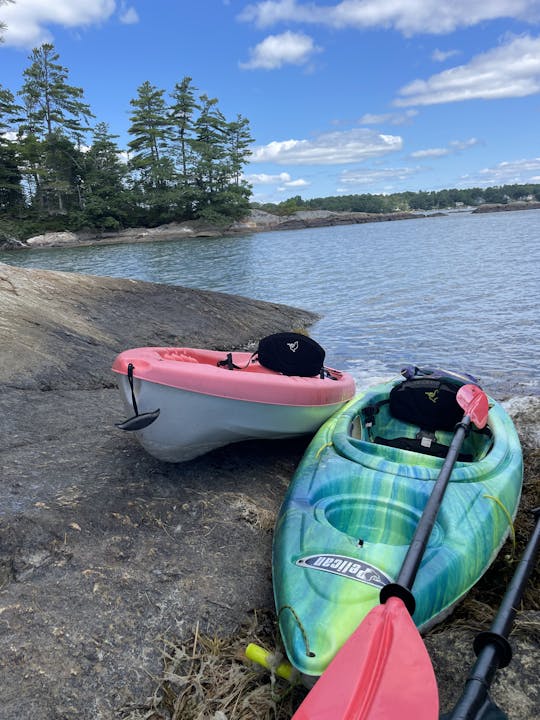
[11, 195]
[106, 203]
[52, 104]
[181, 115]
[182, 119]
[55, 122]
[211, 170]
[239, 142]
[153, 170]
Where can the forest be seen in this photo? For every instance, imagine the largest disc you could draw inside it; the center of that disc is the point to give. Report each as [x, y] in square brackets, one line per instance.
[409, 201]
[62, 169]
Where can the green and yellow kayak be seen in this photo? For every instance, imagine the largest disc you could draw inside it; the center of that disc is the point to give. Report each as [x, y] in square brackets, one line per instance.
[354, 503]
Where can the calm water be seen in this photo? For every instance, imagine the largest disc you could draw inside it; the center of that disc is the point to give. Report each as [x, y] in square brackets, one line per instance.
[460, 291]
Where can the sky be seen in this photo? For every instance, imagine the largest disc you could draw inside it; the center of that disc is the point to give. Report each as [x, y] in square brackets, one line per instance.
[350, 97]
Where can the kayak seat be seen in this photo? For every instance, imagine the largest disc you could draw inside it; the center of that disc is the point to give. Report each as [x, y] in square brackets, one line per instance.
[420, 416]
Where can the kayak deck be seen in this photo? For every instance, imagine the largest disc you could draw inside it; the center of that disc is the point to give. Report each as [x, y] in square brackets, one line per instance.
[352, 509]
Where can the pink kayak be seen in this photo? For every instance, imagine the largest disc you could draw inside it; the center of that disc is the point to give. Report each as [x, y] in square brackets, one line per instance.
[184, 402]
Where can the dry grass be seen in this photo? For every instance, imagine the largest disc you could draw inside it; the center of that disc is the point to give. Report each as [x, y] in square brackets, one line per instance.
[208, 678]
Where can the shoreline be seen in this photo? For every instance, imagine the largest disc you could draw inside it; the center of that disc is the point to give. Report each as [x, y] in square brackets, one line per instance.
[257, 221]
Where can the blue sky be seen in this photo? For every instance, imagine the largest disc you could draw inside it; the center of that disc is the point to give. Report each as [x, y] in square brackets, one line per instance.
[357, 96]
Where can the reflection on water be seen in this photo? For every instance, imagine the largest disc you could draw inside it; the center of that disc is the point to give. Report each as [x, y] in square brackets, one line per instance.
[458, 291]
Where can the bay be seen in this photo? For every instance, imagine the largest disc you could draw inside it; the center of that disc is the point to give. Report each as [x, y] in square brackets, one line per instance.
[458, 291]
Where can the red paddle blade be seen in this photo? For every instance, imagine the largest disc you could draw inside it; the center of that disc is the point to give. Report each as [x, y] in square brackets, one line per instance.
[474, 402]
[383, 671]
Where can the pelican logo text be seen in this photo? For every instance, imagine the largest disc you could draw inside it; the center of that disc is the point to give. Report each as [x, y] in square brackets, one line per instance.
[293, 347]
[433, 396]
[346, 567]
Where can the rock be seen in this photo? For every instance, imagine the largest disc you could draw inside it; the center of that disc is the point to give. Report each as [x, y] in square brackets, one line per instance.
[62, 330]
[106, 553]
[257, 221]
[525, 412]
[53, 239]
[507, 207]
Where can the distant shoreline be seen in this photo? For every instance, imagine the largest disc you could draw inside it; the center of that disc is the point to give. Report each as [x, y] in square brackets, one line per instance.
[257, 221]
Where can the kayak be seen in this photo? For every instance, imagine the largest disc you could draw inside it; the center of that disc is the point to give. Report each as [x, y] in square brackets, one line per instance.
[353, 505]
[188, 401]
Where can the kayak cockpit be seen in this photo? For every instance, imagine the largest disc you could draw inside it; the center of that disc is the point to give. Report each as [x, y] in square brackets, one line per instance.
[377, 424]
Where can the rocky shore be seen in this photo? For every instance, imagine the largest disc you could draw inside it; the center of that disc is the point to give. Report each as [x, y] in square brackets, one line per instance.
[257, 221]
[107, 555]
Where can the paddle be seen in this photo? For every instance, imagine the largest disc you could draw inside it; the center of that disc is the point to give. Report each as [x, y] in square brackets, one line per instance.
[383, 670]
[492, 647]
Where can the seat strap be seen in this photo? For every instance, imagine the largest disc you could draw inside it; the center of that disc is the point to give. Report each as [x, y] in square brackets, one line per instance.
[415, 445]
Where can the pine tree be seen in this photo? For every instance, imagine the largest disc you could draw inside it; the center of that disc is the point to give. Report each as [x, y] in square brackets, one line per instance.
[239, 140]
[106, 201]
[55, 123]
[153, 170]
[222, 150]
[209, 144]
[182, 119]
[11, 194]
[51, 103]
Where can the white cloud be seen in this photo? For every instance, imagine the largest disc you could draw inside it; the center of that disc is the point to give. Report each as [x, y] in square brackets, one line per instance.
[267, 179]
[431, 152]
[506, 173]
[510, 70]
[283, 179]
[335, 148]
[406, 16]
[373, 176]
[277, 50]
[442, 55]
[128, 15]
[396, 118]
[297, 183]
[454, 147]
[28, 21]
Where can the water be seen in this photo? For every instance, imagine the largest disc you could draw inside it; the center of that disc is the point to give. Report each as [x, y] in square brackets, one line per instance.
[459, 291]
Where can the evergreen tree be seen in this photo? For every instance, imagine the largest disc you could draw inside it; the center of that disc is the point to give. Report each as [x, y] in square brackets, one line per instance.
[11, 195]
[182, 113]
[106, 202]
[51, 103]
[61, 176]
[211, 168]
[239, 141]
[153, 170]
[55, 122]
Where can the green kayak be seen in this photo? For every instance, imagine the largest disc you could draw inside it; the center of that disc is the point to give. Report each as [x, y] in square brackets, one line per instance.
[355, 500]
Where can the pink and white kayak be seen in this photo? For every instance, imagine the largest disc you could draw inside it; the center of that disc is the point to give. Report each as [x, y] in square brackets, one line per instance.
[186, 404]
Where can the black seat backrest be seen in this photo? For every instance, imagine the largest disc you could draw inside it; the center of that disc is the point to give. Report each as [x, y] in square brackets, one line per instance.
[427, 402]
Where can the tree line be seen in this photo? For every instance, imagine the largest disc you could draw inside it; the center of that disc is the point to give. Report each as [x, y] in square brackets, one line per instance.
[406, 201]
[59, 170]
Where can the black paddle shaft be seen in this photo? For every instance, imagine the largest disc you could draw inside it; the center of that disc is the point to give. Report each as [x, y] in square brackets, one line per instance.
[492, 647]
[405, 580]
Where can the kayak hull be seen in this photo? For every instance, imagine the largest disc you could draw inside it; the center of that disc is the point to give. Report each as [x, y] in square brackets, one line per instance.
[203, 406]
[350, 514]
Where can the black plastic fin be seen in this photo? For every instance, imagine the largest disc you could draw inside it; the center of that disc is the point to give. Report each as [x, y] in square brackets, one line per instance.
[138, 422]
